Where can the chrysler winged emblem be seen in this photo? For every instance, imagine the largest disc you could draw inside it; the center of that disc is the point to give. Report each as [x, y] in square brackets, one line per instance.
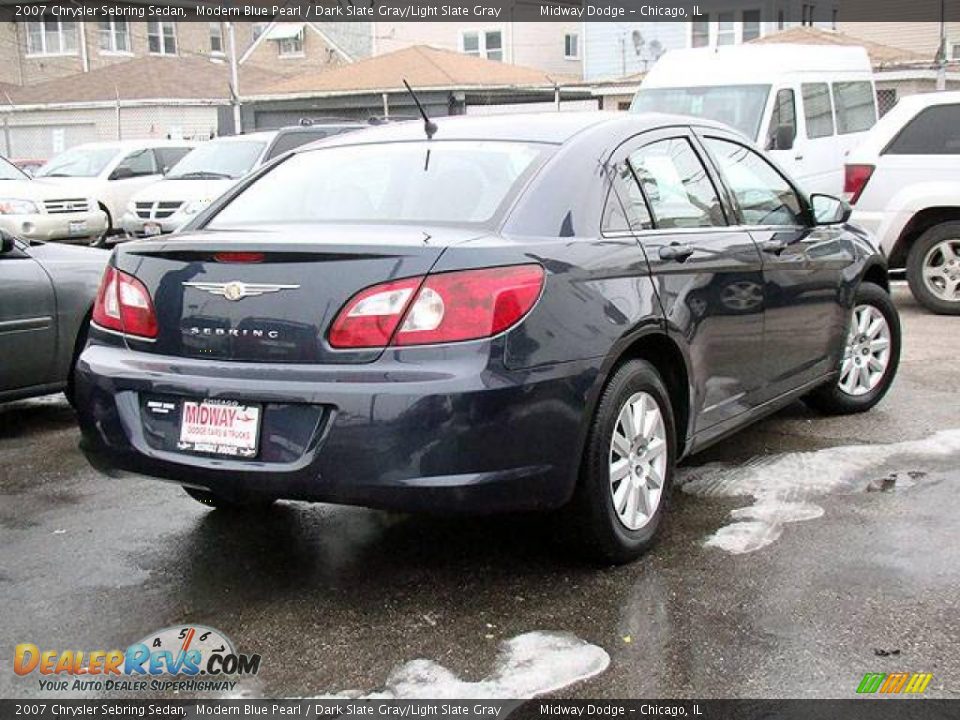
[237, 290]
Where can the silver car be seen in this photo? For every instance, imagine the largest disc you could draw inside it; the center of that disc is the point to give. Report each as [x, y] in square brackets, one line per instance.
[46, 295]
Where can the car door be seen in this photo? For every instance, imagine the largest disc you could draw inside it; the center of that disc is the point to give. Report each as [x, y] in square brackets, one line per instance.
[708, 275]
[28, 330]
[805, 316]
[135, 171]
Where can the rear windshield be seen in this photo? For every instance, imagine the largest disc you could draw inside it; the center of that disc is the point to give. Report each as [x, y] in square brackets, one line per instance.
[739, 106]
[416, 182]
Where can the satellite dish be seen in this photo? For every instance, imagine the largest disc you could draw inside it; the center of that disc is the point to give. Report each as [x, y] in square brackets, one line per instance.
[638, 41]
[656, 49]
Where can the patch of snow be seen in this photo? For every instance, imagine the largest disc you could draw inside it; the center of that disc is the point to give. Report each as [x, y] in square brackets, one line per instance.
[783, 485]
[528, 665]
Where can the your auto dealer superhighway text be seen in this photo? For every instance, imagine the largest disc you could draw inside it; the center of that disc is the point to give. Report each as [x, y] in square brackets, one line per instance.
[350, 709]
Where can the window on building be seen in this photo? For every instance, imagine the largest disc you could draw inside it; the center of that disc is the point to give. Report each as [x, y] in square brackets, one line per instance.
[807, 14]
[700, 32]
[51, 37]
[726, 32]
[292, 46]
[571, 46]
[817, 109]
[856, 106]
[781, 20]
[486, 44]
[751, 25]
[953, 50]
[162, 38]
[114, 36]
[216, 38]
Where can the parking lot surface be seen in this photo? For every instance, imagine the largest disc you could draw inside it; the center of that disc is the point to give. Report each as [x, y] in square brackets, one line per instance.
[799, 555]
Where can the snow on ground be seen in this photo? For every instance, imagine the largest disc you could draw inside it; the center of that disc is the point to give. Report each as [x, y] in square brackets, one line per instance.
[782, 486]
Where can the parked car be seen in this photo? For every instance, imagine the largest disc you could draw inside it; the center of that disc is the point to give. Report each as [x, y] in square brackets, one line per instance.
[471, 323]
[808, 106]
[36, 211]
[113, 171]
[203, 175]
[46, 297]
[904, 182]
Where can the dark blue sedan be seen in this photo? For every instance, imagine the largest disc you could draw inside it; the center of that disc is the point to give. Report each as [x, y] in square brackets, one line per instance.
[520, 313]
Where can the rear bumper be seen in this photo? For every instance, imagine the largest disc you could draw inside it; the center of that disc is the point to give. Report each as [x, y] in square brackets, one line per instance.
[418, 430]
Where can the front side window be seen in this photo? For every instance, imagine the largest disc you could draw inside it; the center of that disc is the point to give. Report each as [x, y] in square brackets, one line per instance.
[676, 183]
[739, 106]
[139, 163]
[762, 194]
[404, 182]
[626, 208]
[856, 106]
[51, 37]
[114, 36]
[935, 131]
[817, 109]
[162, 38]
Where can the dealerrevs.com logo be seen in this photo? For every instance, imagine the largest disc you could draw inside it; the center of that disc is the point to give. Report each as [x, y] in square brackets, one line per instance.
[182, 658]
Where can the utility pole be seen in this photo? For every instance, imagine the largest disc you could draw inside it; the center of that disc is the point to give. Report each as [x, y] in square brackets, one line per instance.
[234, 79]
[942, 51]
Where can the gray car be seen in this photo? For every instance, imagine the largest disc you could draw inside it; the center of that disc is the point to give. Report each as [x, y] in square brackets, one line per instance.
[46, 295]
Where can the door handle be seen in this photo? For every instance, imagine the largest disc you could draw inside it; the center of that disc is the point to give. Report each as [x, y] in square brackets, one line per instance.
[798, 157]
[676, 251]
[773, 247]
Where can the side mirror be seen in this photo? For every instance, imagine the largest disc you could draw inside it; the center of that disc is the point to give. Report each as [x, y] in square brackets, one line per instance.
[121, 172]
[7, 243]
[828, 210]
[782, 138]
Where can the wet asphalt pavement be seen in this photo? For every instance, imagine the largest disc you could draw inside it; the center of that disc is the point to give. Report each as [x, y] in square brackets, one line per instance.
[335, 599]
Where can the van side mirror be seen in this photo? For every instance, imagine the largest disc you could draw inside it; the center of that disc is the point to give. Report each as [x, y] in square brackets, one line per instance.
[7, 242]
[782, 138]
[828, 210]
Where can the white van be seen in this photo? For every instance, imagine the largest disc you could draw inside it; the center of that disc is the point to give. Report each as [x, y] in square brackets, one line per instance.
[808, 105]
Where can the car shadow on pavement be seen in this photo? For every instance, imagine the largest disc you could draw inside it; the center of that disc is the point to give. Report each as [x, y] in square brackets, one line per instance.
[40, 415]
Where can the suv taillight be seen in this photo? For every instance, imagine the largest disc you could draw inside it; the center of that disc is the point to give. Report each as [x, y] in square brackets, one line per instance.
[855, 180]
[442, 308]
[123, 304]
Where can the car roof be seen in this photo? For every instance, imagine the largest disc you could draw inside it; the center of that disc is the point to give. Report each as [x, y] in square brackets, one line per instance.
[545, 127]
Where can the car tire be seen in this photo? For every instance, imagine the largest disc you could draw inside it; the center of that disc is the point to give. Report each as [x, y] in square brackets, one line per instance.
[864, 353]
[607, 529]
[79, 344]
[220, 502]
[931, 272]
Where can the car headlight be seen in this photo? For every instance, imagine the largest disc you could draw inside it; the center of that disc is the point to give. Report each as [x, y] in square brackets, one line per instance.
[15, 206]
[195, 206]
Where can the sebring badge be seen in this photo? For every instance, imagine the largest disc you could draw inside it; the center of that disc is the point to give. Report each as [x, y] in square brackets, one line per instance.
[237, 290]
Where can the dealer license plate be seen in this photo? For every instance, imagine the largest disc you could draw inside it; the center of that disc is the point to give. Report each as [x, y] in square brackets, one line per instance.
[219, 428]
[150, 229]
[77, 227]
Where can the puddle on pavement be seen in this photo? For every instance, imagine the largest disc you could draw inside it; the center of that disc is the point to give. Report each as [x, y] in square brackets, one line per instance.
[528, 665]
[783, 486]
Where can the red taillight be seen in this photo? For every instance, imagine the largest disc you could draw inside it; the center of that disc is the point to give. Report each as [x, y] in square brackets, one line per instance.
[239, 257]
[855, 180]
[447, 307]
[123, 304]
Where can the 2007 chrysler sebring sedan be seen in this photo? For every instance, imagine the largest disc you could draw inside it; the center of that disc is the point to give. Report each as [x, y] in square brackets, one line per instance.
[521, 313]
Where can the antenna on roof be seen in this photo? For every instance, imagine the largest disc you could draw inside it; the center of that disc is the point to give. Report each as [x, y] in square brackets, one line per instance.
[429, 126]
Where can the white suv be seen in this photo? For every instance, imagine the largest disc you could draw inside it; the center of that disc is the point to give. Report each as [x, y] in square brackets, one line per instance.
[904, 184]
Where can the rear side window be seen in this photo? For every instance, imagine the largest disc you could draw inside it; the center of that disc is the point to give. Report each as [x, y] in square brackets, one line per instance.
[292, 140]
[856, 106]
[934, 131]
[817, 109]
[676, 183]
[625, 209]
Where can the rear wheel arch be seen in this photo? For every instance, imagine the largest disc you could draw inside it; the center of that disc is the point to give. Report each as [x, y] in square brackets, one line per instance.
[917, 226]
[877, 275]
[79, 344]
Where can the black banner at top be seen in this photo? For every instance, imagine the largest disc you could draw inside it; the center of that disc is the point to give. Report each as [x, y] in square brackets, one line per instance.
[826, 11]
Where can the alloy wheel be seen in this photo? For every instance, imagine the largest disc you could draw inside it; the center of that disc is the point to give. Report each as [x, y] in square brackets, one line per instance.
[638, 460]
[867, 353]
[941, 270]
